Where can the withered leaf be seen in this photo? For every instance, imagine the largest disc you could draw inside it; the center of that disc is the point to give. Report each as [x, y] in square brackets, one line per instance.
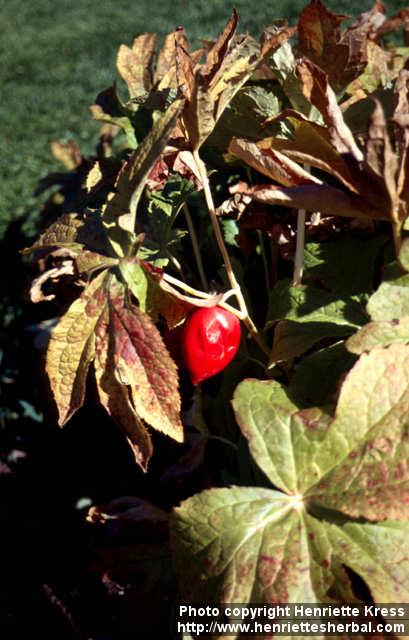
[127, 515]
[68, 153]
[63, 232]
[343, 55]
[165, 71]
[310, 144]
[399, 20]
[71, 348]
[317, 89]
[134, 65]
[318, 197]
[271, 163]
[66, 268]
[210, 87]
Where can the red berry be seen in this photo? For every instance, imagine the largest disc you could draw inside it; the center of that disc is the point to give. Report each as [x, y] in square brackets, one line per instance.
[210, 339]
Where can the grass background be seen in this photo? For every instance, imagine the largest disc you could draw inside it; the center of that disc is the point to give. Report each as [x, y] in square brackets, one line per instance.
[56, 55]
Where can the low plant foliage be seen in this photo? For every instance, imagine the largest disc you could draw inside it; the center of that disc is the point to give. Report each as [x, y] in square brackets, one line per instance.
[268, 177]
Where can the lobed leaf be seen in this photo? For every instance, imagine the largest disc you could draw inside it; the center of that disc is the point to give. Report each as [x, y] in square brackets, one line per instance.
[356, 464]
[255, 545]
[343, 55]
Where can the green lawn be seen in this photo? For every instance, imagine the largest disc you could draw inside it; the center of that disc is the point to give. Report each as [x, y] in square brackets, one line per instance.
[57, 54]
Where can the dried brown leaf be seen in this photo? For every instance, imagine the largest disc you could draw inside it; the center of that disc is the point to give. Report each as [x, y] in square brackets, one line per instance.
[271, 163]
[401, 120]
[342, 55]
[324, 198]
[210, 87]
[68, 153]
[398, 21]
[311, 145]
[317, 89]
[134, 65]
[66, 268]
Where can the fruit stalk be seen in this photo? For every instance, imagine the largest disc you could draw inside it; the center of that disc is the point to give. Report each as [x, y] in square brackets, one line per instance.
[226, 258]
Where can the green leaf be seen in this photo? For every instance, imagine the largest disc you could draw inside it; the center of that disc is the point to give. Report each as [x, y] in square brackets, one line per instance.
[404, 254]
[90, 261]
[257, 545]
[254, 545]
[244, 545]
[346, 265]
[283, 64]
[137, 280]
[317, 377]
[369, 440]
[379, 334]
[230, 232]
[292, 339]
[391, 300]
[246, 115]
[310, 304]
[378, 553]
[156, 220]
[151, 298]
[109, 108]
[356, 464]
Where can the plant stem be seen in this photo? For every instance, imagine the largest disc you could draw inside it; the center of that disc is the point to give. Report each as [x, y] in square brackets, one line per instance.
[397, 235]
[205, 296]
[195, 245]
[186, 287]
[299, 251]
[226, 258]
[300, 243]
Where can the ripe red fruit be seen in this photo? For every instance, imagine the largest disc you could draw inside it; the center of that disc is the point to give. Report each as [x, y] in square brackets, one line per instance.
[210, 339]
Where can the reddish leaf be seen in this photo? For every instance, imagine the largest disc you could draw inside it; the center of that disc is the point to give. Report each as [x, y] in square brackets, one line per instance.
[342, 55]
[143, 363]
[311, 144]
[115, 397]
